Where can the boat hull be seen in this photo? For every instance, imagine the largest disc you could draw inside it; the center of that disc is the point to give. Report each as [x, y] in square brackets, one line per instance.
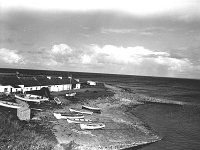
[57, 100]
[10, 104]
[80, 120]
[80, 111]
[59, 116]
[70, 94]
[31, 100]
[92, 126]
[93, 109]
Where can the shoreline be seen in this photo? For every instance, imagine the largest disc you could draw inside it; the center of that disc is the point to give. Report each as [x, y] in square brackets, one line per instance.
[123, 130]
[143, 98]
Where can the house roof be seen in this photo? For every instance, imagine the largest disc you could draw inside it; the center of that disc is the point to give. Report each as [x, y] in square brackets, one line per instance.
[9, 80]
[29, 81]
[55, 80]
[16, 86]
[41, 80]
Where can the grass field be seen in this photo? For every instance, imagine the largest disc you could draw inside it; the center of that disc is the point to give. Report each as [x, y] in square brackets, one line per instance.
[22, 135]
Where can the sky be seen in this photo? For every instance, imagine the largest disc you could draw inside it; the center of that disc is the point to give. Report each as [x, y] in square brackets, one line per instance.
[135, 37]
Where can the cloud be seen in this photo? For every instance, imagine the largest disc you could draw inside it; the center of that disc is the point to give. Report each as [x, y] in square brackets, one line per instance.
[135, 60]
[121, 54]
[86, 59]
[61, 53]
[175, 64]
[61, 49]
[10, 56]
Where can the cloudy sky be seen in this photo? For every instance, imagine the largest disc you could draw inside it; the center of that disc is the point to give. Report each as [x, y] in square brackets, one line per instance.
[137, 37]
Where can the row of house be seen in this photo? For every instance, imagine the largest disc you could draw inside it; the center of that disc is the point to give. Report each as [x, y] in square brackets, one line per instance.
[23, 83]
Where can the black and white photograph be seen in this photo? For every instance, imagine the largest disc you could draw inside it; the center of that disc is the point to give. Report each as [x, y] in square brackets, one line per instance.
[99, 74]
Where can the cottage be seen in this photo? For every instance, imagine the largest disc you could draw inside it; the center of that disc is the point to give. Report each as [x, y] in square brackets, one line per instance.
[9, 84]
[91, 83]
[24, 83]
[30, 83]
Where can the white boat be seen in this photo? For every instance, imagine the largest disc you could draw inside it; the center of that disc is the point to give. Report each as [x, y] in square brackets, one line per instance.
[92, 126]
[94, 109]
[78, 120]
[59, 116]
[30, 98]
[57, 100]
[80, 111]
[70, 94]
[10, 104]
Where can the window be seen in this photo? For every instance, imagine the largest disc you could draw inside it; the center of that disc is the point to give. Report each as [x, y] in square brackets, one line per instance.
[6, 90]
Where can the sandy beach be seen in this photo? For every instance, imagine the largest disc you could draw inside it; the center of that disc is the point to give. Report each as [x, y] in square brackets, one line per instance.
[122, 129]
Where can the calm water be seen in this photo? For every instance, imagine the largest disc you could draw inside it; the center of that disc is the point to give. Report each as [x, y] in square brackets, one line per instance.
[179, 126]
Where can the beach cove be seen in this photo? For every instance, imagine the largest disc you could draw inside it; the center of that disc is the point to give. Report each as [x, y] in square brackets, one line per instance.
[123, 129]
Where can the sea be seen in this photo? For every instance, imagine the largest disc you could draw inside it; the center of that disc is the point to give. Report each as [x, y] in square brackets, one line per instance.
[177, 125]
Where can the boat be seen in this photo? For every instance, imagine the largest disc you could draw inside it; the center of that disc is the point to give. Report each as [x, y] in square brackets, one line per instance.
[66, 116]
[93, 109]
[92, 126]
[81, 111]
[30, 98]
[70, 94]
[57, 100]
[10, 104]
[78, 120]
[71, 114]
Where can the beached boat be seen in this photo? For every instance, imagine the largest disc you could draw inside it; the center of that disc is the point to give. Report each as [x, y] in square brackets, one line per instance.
[92, 126]
[31, 98]
[10, 104]
[70, 94]
[57, 100]
[79, 120]
[70, 113]
[93, 109]
[66, 116]
[81, 111]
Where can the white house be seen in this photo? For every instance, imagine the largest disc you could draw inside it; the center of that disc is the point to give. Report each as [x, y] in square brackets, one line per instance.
[31, 88]
[30, 83]
[78, 86]
[16, 88]
[9, 88]
[6, 88]
[91, 83]
[55, 88]
[67, 87]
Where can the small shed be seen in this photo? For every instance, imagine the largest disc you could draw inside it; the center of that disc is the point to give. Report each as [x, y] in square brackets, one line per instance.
[91, 83]
[24, 113]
